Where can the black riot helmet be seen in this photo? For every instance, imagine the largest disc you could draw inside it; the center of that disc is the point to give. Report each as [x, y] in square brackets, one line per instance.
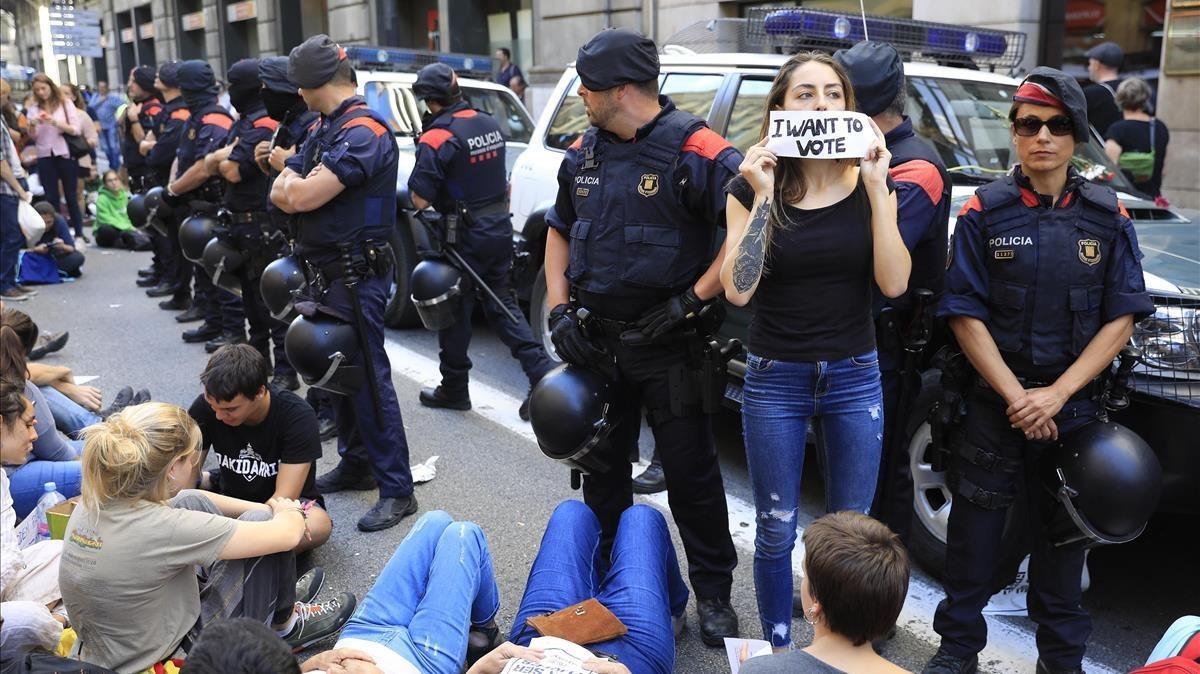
[1106, 481]
[159, 210]
[572, 412]
[279, 283]
[321, 349]
[137, 211]
[194, 234]
[437, 293]
[222, 261]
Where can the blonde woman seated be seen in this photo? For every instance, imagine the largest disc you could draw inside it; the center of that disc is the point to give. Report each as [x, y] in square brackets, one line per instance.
[142, 573]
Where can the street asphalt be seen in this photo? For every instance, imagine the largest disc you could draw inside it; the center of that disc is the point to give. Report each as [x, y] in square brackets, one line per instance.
[491, 472]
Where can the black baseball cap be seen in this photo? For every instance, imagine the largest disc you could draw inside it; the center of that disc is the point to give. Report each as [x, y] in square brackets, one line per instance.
[876, 72]
[313, 62]
[1108, 53]
[436, 80]
[616, 56]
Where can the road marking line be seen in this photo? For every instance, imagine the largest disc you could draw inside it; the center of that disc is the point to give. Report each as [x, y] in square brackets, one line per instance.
[1011, 647]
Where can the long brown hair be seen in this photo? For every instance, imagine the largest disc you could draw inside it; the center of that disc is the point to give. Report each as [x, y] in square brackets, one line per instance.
[789, 176]
[56, 97]
[77, 94]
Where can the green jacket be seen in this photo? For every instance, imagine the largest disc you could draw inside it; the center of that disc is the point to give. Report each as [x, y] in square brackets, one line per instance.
[110, 209]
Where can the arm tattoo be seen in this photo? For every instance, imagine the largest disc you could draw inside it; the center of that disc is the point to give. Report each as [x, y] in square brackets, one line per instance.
[752, 250]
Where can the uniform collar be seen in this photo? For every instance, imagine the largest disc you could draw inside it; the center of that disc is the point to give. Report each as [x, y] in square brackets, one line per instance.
[303, 121]
[346, 105]
[1031, 198]
[904, 130]
[667, 107]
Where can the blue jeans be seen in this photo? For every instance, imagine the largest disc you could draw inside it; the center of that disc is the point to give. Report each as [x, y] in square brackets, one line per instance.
[27, 482]
[69, 416]
[643, 587]
[438, 583]
[844, 401]
[111, 144]
[12, 240]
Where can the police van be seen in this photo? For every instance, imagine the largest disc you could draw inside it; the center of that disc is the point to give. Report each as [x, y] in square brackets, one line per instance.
[385, 79]
[962, 112]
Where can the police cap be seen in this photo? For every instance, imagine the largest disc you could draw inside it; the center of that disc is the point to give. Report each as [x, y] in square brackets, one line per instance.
[313, 62]
[436, 80]
[196, 75]
[169, 74]
[1108, 53]
[1054, 88]
[876, 73]
[616, 56]
[143, 76]
[273, 71]
[244, 75]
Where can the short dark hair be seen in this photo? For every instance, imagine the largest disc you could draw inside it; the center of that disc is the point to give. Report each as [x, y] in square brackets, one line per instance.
[344, 73]
[239, 646]
[896, 107]
[858, 570]
[648, 88]
[234, 369]
[506, 52]
[45, 208]
[12, 399]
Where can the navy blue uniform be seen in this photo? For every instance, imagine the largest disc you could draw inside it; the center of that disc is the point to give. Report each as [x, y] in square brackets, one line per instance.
[641, 219]
[355, 144]
[290, 135]
[168, 126]
[139, 170]
[206, 131]
[1044, 278]
[460, 159]
[923, 213]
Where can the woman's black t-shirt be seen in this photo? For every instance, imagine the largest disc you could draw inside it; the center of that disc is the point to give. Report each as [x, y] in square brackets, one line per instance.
[1133, 135]
[814, 299]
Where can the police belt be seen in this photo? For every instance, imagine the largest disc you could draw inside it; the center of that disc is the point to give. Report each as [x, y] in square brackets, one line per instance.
[1090, 390]
[141, 184]
[494, 208]
[250, 218]
[324, 273]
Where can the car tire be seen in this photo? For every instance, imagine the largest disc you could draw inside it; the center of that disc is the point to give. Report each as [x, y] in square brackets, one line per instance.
[539, 315]
[933, 500]
[400, 311]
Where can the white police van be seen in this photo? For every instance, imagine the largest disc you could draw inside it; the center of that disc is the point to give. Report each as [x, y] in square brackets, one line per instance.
[962, 112]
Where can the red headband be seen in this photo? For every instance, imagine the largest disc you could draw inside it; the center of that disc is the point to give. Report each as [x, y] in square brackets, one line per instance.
[1032, 92]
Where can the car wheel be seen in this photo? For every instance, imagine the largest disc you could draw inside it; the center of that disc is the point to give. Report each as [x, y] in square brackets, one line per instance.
[539, 315]
[933, 498]
[400, 312]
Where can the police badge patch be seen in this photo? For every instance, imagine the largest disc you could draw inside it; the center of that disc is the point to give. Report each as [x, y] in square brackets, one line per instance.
[191, 134]
[1089, 251]
[648, 185]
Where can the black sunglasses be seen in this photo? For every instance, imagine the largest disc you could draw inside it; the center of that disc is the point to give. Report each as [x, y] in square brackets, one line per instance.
[1060, 125]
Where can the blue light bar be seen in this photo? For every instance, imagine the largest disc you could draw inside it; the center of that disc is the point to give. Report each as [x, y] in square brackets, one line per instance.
[956, 41]
[816, 25]
[386, 58]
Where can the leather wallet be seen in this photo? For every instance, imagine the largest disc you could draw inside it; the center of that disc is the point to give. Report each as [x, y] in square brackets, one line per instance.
[587, 622]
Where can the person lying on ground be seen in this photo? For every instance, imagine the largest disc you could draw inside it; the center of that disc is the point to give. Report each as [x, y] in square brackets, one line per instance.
[135, 541]
[265, 438]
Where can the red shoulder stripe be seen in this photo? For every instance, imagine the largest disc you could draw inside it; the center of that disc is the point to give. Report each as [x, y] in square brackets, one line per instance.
[266, 123]
[152, 109]
[706, 143]
[577, 144]
[464, 114]
[181, 114]
[435, 137]
[973, 204]
[1121, 207]
[217, 119]
[375, 127]
[922, 174]
[1030, 198]
[1066, 201]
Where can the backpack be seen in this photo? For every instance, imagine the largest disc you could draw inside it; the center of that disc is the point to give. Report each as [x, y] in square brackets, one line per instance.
[1140, 164]
[38, 268]
[1178, 652]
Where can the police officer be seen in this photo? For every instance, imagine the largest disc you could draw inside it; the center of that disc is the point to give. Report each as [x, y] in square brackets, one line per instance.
[460, 170]
[144, 105]
[923, 210]
[342, 187]
[1042, 291]
[639, 202]
[159, 149]
[195, 189]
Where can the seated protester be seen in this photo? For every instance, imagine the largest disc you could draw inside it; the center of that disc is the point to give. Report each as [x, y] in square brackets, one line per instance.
[56, 245]
[130, 555]
[854, 585]
[29, 575]
[265, 438]
[113, 227]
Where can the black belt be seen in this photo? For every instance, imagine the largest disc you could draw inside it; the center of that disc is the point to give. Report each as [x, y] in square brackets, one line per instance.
[496, 208]
[335, 268]
[249, 217]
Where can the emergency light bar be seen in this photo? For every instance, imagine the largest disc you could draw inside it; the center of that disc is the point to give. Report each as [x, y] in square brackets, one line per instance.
[411, 60]
[800, 28]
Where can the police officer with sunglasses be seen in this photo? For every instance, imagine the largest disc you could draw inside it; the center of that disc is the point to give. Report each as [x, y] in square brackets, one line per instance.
[1043, 288]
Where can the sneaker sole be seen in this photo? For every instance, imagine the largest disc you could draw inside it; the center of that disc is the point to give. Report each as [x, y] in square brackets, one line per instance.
[411, 509]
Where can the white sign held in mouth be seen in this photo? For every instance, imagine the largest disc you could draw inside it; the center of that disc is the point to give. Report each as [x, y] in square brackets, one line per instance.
[820, 135]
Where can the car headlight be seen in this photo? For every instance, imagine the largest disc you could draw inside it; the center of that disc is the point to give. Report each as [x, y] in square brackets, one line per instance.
[1169, 339]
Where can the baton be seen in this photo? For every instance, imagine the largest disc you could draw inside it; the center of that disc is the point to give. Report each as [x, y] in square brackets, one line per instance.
[351, 282]
[463, 266]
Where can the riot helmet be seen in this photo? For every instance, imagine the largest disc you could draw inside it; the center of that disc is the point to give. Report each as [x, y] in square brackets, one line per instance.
[222, 261]
[572, 411]
[137, 211]
[321, 349]
[159, 210]
[437, 293]
[280, 282]
[1105, 481]
[194, 234]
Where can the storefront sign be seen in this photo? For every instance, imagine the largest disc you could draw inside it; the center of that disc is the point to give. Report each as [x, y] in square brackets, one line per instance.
[146, 30]
[193, 21]
[241, 11]
[1085, 15]
[127, 35]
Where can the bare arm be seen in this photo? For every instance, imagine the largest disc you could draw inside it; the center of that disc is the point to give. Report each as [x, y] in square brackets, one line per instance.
[977, 343]
[747, 237]
[10, 178]
[279, 191]
[212, 160]
[255, 539]
[420, 202]
[45, 375]
[1113, 149]
[192, 178]
[558, 290]
[891, 258]
[147, 144]
[313, 191]
[233, 507]
[290, 479]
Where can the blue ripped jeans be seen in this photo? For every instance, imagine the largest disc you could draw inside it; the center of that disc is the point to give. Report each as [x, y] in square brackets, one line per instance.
[843, 399]
[438, 583]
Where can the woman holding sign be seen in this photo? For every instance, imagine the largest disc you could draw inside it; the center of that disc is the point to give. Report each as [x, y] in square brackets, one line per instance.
[812, 224]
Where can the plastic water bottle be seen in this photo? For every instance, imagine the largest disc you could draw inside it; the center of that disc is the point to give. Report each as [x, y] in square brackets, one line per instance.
[50, 498]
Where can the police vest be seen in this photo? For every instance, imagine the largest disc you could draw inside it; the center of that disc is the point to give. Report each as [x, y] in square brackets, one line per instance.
[358, 213]
[189, 150]
[632, 235]
[130, 148]
[166, 146]
[929, 255]
[292, 134]
[477, 175]
[250, 193]
[1045, 271]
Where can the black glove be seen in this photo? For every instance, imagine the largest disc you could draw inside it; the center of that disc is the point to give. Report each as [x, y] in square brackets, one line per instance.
[670, 315]
[566, 332]
[172, 201]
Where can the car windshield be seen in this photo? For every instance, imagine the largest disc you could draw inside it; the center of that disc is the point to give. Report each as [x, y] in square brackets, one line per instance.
[967, 122]
[395, 102]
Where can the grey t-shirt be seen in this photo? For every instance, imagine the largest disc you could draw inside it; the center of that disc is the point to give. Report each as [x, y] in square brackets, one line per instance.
[792, 662]
[128, 577]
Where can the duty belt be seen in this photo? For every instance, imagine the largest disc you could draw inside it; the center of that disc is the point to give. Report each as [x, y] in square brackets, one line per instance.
[495, 208]
[143, 183]
[321, 274]
[1090, 390]
[249, 217]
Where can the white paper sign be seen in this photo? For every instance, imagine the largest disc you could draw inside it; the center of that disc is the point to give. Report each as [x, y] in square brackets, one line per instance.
[820, 135]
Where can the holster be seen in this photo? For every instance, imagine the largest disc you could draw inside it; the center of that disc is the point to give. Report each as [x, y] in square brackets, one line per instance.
[950, 409]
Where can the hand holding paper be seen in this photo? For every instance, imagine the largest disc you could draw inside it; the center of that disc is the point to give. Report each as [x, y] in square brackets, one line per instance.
[821, 135]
